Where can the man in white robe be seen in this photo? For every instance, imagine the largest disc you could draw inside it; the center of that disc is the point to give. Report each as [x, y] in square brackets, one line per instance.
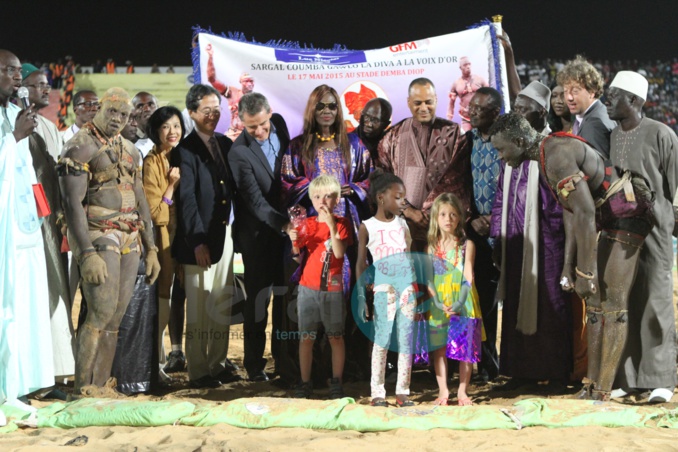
[26, 363]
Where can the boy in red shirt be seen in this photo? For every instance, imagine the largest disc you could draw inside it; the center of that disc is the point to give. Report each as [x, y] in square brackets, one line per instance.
[320, 297]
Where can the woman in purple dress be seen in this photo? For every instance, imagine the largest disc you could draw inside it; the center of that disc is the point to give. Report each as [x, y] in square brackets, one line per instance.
[324, 147]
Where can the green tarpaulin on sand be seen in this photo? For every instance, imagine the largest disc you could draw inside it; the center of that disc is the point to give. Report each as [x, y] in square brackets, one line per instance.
[344, 414]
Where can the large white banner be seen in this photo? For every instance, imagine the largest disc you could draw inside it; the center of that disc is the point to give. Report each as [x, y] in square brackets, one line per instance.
[287, 75]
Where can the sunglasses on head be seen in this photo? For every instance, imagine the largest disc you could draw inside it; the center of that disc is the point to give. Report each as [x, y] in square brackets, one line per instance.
[320, 106]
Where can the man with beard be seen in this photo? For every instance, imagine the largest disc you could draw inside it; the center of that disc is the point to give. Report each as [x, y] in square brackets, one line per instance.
[375, 118]
[108, 218]
[144, 105]
[649, 148]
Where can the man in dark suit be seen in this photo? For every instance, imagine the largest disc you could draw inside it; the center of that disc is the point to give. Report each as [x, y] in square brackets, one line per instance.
[203, 241]
[583, 86]
[258, 231]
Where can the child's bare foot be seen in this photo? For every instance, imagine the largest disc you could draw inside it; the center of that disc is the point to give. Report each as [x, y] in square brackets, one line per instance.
[463, 399]
[442, 399]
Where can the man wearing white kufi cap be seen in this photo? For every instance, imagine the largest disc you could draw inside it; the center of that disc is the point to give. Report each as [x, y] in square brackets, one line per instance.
[649, 148]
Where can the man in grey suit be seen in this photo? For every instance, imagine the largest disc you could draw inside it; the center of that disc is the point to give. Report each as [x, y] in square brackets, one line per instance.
[583, 86]
[260, 220]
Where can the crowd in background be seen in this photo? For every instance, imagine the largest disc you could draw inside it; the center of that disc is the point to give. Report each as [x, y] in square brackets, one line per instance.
[236, 202]
[662, 101]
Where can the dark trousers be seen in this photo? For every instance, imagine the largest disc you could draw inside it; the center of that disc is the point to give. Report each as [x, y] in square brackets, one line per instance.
[263, 260]
[486, 278]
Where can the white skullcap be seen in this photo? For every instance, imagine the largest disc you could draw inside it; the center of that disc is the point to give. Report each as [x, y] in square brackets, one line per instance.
[539, 93]
[632, 82]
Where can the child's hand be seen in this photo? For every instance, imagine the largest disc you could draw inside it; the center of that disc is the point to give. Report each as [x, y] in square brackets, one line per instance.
[294, 235]
[361, 312]
[449, 312]
[325, 216]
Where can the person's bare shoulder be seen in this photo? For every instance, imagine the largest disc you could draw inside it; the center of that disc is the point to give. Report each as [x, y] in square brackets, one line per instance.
[560, 156]
[81, 148]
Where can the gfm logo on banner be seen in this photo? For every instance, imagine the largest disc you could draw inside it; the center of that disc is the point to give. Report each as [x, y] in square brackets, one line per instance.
[412, 45]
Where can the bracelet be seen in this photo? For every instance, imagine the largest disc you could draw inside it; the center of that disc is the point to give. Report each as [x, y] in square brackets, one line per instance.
[585, 275]
[85, 254]
[296, 255]
[466, 283]
[152, 248]
[167, 201]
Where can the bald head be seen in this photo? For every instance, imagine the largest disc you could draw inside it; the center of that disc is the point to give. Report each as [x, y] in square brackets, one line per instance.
[114, 113]
[376, 117]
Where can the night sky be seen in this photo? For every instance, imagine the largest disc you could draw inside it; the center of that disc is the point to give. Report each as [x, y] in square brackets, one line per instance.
[147, 34]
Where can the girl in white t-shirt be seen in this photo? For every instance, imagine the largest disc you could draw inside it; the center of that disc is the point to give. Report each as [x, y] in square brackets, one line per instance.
[387, 237]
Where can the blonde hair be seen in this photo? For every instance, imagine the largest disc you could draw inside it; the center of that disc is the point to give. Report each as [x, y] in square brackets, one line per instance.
[327, 182]
[434, 229]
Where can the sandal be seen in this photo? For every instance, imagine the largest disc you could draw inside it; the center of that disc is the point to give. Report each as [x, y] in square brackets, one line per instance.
[465, 402]
[403, 401]
[441, 401]
[379, 401]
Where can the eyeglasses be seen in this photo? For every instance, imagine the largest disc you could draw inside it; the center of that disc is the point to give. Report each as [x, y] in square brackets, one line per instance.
[367, 119]
[320, 106]
[11, 70]
[210, 112]
[89, 105]
[41, 86]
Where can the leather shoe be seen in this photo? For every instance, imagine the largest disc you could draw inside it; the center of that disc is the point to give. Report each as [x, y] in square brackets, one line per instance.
[226, 376]
[230, 365]
[176, 362]
[258, 376]
[204, 382]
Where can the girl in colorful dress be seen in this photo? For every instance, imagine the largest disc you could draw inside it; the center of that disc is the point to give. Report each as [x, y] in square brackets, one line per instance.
[387, 237]
[455, 322]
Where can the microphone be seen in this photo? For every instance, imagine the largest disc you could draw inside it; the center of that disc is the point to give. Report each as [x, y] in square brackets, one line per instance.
[23, 97]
